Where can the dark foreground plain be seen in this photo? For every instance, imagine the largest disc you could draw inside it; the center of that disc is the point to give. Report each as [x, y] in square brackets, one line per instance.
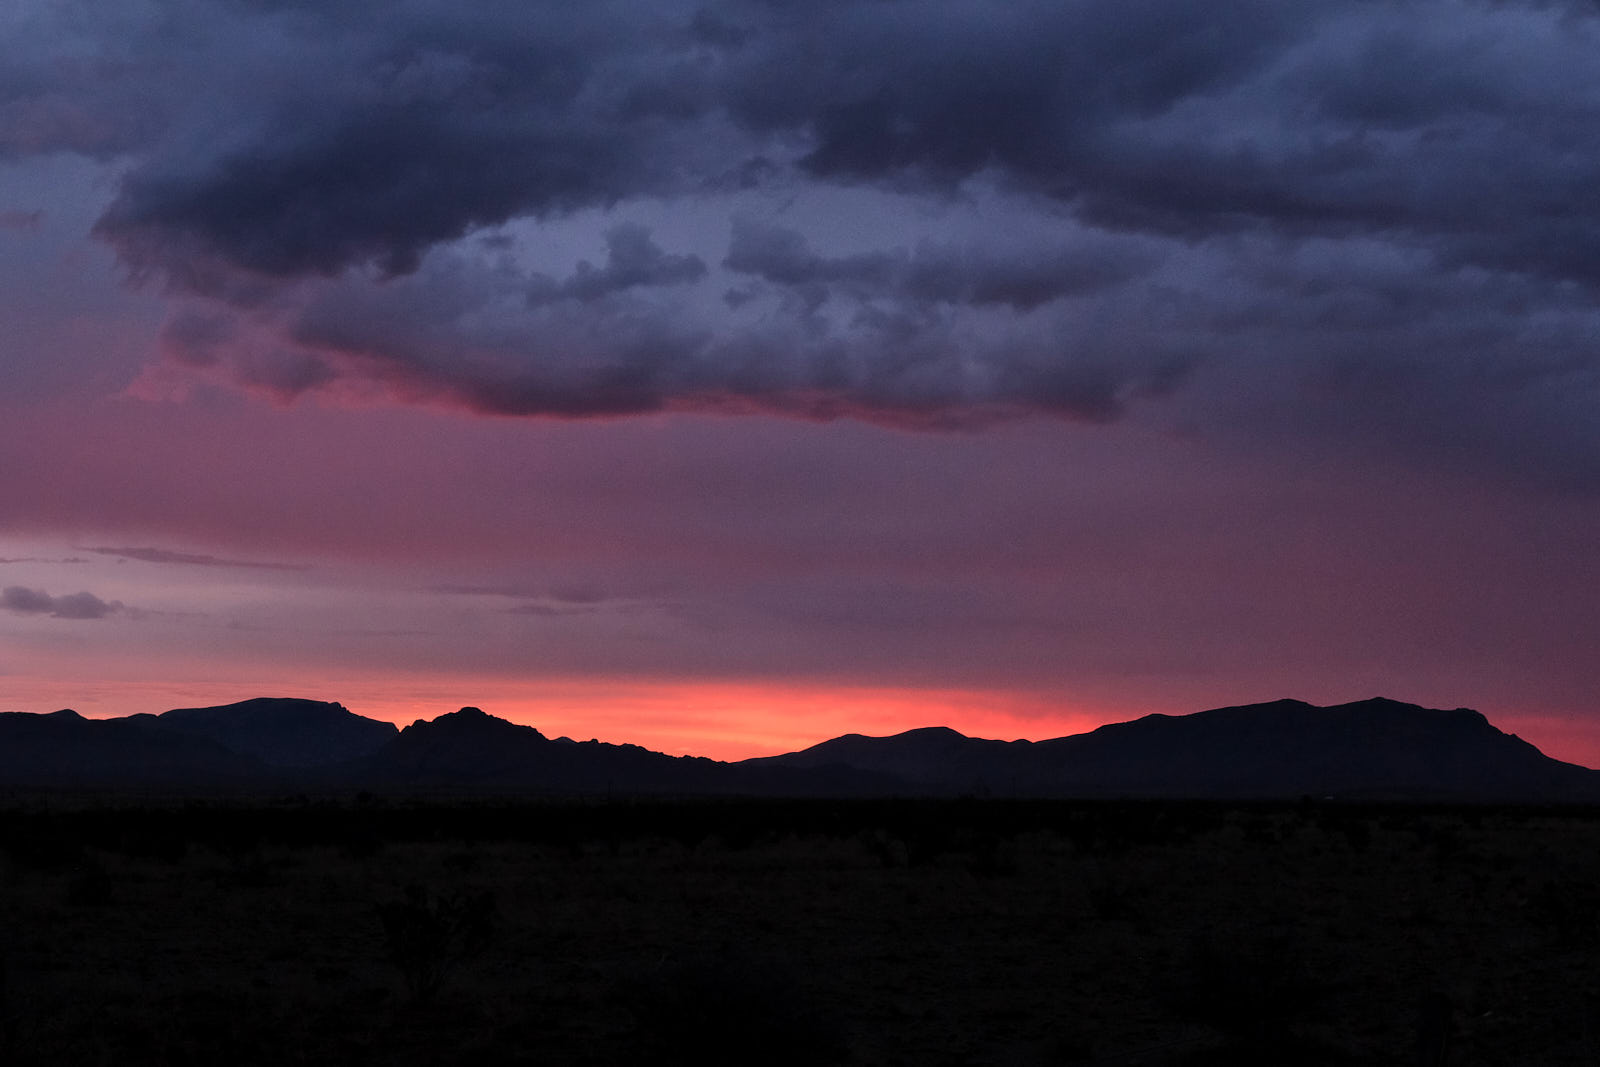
[367, 930]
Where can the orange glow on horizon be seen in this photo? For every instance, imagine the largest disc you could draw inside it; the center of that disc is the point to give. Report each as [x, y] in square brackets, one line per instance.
[727, 720]
[720, 720]
[731, 721]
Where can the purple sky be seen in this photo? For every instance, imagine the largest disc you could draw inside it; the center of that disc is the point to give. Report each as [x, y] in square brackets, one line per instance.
[721, 376]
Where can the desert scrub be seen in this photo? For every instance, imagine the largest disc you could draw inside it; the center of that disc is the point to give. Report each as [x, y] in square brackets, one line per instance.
[1258, 990]
[427, 935]
[728, 1009]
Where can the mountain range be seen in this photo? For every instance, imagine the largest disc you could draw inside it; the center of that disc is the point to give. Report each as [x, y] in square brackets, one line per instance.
[1376, 749]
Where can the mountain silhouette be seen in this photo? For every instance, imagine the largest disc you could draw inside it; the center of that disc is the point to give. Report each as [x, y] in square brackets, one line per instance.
[283, 732]
[933, 757]
[474, 749]
[1376, 749]
[63, 749]
[1372, 748]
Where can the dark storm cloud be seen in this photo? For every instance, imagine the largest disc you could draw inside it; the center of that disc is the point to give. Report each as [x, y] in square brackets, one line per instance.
[1467, 127]
[1345, 218]
[378, 131]
[939, 91]
[394, 181]
[374, 132]
[24, 601]
[369, 133]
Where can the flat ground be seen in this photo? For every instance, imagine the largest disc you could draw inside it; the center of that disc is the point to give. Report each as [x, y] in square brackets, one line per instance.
[391, 931]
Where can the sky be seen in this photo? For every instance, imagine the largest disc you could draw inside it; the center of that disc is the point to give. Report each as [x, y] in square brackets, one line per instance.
[725, 376]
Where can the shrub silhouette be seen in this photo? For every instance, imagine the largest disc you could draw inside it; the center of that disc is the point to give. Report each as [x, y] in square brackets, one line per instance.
[427, 935]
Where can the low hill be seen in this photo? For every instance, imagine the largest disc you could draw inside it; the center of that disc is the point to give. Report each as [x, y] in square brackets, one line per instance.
[935, 757]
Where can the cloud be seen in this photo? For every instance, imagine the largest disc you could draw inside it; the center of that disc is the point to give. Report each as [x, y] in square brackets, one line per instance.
[405, 128]
[1368, 222]
[401, 129]
[556, 598]
[83, 606]
[872, 346]
[632, 260]
[25, 601]
[1021, 279]
[578, 592]
[559, 599]
[193, 559]
[552, 611]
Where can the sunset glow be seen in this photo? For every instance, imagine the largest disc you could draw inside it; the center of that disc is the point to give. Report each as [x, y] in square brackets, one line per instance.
[724, 377]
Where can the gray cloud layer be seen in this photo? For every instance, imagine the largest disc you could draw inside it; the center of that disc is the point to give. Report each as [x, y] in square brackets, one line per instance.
[194, 559]
[1364, 221]
[24, 601]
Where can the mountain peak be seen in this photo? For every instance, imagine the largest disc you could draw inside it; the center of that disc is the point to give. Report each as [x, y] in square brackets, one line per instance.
[1380, 704]
[460, 717]
[284, 731]
[473, 722]
[931, 733]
